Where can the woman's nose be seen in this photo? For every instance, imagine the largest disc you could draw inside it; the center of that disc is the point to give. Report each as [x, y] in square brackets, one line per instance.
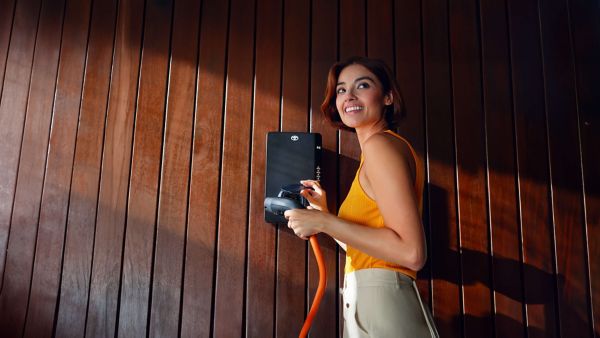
[350, 95]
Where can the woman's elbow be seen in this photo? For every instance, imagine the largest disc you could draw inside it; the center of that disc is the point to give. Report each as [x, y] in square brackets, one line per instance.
[416, 259]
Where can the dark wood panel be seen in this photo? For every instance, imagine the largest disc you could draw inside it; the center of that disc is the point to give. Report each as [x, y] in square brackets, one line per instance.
[291, 286]
[81, 219]
[7, 14]
[352, 38]
[234, 197]
[13, 104]
[260, 282]
[471, 169]
[28, 189]
[380, 31]
[532, 166]
[45, 281]
[444, 260]
[295, 74]
[352, 42]
[203, 209]
[585, 30]
[175, 171]
[114, 180]
[521, 102]
[323, 55]
[409, 75]
[565, 170]
[500, 143]
[138, 255]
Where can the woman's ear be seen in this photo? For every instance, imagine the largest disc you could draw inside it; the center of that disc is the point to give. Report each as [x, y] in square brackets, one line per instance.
[388, 99]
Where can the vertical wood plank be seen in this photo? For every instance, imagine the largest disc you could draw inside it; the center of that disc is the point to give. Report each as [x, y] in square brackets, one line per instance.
[7, 14]
[45, 281]
[445, 263]
[13, 105]
[197, 315]
[145, 169]
[380, 31]
[28, 189]
[114, 180]
[352, 42]
[532, 166]
[260, 283]
[565, 170]
[81, 219]
[503, 213]
[471, 169]
[233, 204]
[175, 171]
[291, 254]
[585, 35]
[295, 76]
[323, 55]
[409, 74]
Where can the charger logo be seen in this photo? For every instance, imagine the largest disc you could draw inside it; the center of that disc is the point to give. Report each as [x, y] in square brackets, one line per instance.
[295, 138]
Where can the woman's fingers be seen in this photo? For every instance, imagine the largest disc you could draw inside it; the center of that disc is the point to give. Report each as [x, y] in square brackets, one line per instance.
[307, 194]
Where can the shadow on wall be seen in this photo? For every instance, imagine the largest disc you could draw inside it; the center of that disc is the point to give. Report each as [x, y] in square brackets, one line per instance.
[537, 290]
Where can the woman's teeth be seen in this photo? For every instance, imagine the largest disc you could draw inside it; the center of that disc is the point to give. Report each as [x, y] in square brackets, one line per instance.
[351, 109]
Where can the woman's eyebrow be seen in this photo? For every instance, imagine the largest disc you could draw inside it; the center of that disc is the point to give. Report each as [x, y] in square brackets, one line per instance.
[364, 78]
[357, 79]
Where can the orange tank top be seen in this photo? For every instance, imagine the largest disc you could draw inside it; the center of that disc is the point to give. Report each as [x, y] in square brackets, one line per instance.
[359, 208]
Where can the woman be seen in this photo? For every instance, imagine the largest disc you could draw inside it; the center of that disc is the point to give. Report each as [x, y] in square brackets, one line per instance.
[379, 222]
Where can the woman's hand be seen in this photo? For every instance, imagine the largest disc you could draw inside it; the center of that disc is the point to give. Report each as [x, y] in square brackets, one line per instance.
[306, 222]
[315, 196]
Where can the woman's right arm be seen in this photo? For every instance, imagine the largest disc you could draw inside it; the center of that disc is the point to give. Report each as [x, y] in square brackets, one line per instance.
[317, 197]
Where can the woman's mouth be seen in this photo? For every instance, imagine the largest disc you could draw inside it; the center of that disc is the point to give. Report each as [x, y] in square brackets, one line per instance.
[352, 109]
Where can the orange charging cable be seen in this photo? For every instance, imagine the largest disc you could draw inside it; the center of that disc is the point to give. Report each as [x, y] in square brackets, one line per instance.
[320, 289]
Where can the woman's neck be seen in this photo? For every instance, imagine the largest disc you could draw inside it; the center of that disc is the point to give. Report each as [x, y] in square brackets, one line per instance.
[364, 133]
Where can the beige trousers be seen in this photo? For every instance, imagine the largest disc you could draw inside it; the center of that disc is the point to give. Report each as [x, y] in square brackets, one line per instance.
[380, 303]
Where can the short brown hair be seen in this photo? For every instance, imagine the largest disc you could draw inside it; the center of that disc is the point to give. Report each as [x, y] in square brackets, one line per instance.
[392, 113]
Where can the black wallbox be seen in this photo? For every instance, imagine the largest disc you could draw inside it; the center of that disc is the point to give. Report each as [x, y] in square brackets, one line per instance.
[291, 157]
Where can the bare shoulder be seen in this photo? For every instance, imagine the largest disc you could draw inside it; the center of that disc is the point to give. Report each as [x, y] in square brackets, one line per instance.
[386, 150]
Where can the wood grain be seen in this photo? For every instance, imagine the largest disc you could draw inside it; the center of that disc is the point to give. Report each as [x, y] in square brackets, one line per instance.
[445, 258]
[45, 280]
[19, 252]
[81, 217]
[471, 169]
[175, 172]
[565, 170]
[7, 14]
[585, 32]
[114, 179]
[13, 106]
[234, 195]
[532, 165]
[500, 146]
[198, 284]
[138, 256]
[260, 281]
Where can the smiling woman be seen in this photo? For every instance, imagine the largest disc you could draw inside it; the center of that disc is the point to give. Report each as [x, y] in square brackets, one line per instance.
[376, 74]
[379, 222]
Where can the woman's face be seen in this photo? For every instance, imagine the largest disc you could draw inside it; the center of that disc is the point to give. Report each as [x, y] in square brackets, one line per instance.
[360, 100]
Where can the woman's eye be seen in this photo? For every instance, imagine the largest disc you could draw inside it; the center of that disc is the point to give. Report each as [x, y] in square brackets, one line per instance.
[363, 85]
[341, 90]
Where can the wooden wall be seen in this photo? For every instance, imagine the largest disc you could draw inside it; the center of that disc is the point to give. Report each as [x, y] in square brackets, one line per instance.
[132, 150]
